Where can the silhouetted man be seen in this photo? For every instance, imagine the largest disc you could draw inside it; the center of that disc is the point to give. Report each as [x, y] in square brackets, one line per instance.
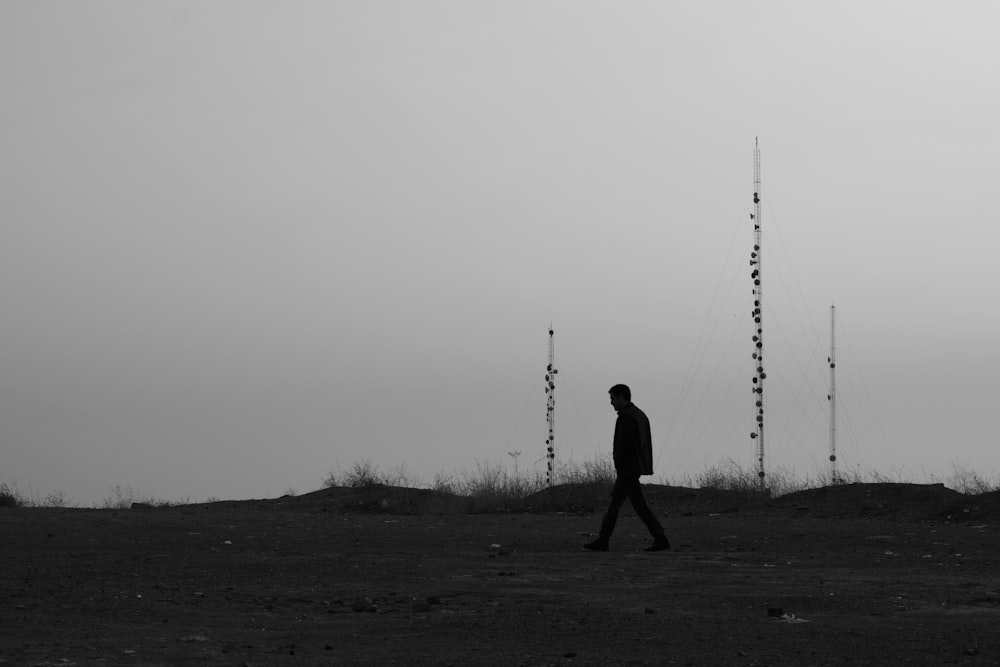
[633, 455]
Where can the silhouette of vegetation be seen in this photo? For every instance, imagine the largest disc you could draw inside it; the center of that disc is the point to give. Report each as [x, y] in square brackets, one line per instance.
[492, 486]
[9, 496]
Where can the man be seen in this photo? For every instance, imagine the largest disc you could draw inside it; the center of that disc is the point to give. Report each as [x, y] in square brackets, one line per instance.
[633, 456]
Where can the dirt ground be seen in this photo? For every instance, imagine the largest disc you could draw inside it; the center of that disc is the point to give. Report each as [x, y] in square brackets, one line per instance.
[861, 574]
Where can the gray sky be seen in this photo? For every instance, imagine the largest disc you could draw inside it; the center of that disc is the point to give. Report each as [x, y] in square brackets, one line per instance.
[245, 244]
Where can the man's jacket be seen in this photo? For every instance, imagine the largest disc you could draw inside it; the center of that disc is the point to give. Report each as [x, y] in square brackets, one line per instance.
[633, 445]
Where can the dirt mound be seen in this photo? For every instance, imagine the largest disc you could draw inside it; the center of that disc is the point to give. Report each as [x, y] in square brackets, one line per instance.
[571, 498]
[377, 499]
[579, 498]
[914, 502]
[686, 501]
[586, 498]
[911, 502]
[980, 507]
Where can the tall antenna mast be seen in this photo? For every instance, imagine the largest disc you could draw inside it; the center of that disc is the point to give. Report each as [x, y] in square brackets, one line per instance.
[550, 408]
[832, 360]
[758, 318]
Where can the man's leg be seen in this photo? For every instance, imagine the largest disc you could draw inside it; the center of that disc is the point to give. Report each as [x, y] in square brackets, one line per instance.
[643, 512]
[660, 541]
[618, 495]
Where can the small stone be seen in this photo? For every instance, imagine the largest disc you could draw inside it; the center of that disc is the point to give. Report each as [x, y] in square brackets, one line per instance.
[775, 612]
[421, 607]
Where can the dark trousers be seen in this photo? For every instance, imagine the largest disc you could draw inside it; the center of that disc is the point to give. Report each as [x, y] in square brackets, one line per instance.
[629, 487]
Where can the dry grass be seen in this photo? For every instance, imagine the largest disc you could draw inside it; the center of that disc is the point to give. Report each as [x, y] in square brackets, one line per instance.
[10, 496]
[493, 486]
[490, 487]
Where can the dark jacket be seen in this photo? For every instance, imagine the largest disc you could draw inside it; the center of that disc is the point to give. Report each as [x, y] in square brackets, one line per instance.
[633, 445]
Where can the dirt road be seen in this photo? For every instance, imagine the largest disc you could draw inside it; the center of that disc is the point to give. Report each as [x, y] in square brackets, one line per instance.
[303, 582]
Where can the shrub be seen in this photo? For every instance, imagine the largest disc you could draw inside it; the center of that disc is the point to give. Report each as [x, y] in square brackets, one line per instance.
[55, 499]
[730, 476]
[362, 475]
[491, 487]
[599, 470]
[970, 482]
[365, 474]
[9, 496]
[122, 498]
[444, 483]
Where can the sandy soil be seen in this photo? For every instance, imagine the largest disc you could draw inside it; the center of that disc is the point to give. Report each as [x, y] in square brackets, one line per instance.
[862, 575]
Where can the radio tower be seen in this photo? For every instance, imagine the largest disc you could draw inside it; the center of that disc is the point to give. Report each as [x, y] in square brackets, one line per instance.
[758, 317]
[550, 408]
[832, 360]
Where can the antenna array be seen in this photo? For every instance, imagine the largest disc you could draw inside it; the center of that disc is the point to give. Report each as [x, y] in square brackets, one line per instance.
[550, 408]
[832, 360]
[758, 318]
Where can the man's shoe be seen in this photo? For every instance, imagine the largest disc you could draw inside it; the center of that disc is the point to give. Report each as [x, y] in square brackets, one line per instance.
[659, 544]
[596, 545]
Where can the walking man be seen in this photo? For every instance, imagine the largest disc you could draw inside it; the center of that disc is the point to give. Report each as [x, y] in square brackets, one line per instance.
[633, 456]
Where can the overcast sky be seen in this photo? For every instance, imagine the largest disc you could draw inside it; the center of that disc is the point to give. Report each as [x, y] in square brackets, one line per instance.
[245, 244]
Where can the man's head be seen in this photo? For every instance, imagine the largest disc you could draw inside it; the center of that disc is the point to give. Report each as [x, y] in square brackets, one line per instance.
[621, 396]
